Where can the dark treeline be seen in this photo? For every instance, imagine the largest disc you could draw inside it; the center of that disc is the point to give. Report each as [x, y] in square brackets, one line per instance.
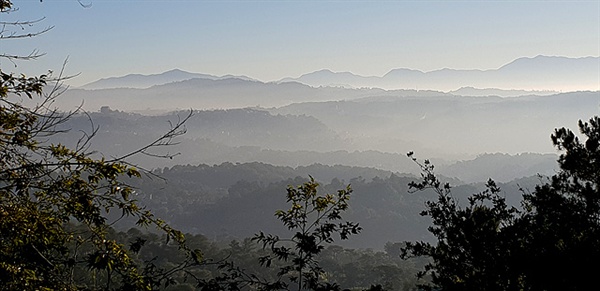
[355, 269]
[237, 200]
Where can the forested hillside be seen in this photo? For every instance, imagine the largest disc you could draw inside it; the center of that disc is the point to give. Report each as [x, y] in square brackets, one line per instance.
[438, 126]
[256, 135]
[234, 201]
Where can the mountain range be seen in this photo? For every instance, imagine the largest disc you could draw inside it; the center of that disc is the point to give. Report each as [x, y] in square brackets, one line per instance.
[202, 93]
[541, 73]
[140, 81]
[285, 118]
[523, 76]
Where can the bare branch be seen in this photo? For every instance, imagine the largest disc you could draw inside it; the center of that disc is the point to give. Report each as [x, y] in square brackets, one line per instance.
[18, 30]
[166, 139]
[6, 33]
[84, 5]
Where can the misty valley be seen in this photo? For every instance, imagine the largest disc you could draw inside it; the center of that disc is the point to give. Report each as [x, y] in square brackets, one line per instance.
[226, 177]
[299, 145]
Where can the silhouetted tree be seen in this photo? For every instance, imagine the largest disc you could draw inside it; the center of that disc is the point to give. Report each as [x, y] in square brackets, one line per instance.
[561, 230]
[314, 219]
[472, 241]
[552, 243]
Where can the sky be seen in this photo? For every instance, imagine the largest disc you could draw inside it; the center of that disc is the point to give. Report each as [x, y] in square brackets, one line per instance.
[270, 40]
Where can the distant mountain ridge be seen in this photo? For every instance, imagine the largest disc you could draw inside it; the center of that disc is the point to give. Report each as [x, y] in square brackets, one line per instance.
[481, 92]
[540, 73]
[201, 93]
[139, 81]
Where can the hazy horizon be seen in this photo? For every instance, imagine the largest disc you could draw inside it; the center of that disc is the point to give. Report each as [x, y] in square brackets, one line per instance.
[269, 41]
[174, 69]
[496, 45]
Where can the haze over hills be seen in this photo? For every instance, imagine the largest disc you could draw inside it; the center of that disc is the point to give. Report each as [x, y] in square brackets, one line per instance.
[540, 73]
[525, 76]
[295, 124]
[215, 94]
[440, 124]
[140, 81]
[451, 125]
[185, 159]
[248, 139]
[481, 92]
[370, 132]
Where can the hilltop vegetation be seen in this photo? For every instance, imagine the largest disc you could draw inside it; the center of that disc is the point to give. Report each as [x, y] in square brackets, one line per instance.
[237, 200]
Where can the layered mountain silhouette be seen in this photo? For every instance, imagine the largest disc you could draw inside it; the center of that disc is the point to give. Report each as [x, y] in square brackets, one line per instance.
[538, 76]
[202, 93]
[479, 92]
[540, 73]
[140, 81]
[447, 124]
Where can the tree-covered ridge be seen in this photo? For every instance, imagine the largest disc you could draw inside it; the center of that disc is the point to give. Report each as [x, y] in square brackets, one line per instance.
[232, 127]
[237, 200]
[250, 135]
[355, 269]
[226, 174]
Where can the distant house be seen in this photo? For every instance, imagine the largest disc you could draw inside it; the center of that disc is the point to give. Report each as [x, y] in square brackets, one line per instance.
[105, 110]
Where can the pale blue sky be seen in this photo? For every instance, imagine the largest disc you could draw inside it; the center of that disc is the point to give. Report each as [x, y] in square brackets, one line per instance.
[270, 40]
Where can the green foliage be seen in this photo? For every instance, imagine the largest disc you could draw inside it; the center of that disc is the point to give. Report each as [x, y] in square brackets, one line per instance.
[55, 200]
[471, 250]
[315, 220]
[552, 243]
[44, 188]
[237, 200]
